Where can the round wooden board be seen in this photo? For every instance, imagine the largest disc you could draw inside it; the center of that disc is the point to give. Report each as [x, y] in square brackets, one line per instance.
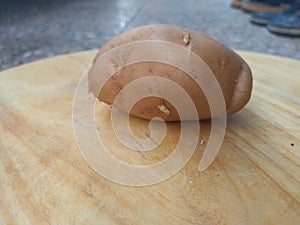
[255, 178]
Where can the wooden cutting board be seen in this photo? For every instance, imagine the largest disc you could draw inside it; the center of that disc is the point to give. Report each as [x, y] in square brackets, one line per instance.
[255, 178]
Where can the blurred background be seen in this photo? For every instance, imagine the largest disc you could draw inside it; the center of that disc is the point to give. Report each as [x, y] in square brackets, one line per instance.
[36, 29]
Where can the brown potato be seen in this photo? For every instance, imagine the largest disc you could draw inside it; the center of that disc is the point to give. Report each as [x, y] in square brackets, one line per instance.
[229, 69]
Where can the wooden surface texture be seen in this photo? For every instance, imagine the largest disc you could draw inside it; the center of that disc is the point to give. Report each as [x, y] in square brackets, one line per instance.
[255, 178]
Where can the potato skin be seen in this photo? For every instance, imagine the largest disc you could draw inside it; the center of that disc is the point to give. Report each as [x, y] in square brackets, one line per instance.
[231, 71]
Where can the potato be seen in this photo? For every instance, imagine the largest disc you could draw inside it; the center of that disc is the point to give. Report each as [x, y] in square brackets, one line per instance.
[230, 70]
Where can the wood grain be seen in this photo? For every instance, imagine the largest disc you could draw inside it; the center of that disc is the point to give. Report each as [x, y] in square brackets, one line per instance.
[255, 179]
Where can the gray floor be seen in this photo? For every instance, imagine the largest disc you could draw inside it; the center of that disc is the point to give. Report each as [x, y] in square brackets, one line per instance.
[35, 29]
